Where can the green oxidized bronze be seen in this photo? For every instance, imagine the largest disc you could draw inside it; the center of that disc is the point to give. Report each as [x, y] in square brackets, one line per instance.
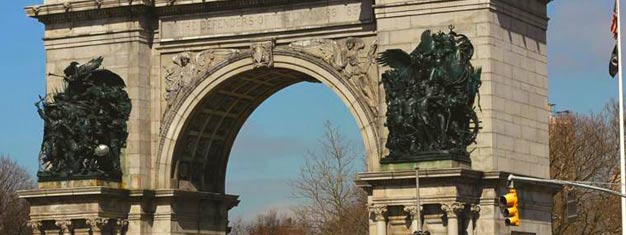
[430, 99]
[85, 125]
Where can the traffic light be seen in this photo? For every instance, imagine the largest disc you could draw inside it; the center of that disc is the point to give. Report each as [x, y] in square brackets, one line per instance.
[511, 213]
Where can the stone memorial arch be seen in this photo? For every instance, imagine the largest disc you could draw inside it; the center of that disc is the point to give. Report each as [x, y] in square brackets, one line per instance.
[196, 69]
[202, 120]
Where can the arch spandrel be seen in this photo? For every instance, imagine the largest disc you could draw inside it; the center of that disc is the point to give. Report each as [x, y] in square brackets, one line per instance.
[286, 62]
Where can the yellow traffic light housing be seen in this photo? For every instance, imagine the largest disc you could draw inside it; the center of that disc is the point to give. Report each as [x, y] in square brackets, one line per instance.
[511, 212]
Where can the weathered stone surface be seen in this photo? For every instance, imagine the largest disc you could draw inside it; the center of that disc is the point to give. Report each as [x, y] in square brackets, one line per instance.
[182, 144]
[251, 21]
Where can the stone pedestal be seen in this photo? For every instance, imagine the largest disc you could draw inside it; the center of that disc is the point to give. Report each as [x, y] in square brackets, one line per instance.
[454, 201]
[98, 210]
[89, 210]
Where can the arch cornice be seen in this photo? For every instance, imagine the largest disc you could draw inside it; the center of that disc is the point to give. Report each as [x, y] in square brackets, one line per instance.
[284, 58]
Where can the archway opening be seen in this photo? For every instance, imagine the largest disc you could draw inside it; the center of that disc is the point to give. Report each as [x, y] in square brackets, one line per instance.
[274, 145]
[204, 145]
[205, 118]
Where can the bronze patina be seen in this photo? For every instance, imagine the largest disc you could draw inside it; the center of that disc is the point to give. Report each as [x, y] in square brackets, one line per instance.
[430, 97]
[85, 125]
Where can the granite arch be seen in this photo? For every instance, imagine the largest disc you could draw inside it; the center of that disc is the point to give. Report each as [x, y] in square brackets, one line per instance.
[224, 81]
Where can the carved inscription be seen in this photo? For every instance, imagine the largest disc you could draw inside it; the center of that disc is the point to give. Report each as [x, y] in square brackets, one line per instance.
[285, 19]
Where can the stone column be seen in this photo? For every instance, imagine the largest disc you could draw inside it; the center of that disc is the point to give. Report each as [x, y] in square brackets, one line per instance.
[380, 214]
[65, 227]
[451, 211]
[96, 225]
[35, 225]
[412, 214]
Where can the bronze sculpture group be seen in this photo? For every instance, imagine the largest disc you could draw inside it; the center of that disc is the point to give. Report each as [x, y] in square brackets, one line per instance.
[430, 99]
[85, 125]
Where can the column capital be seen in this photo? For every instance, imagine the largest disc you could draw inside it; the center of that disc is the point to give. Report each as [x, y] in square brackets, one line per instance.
[97, 224]
[120, 226]
[379, 211]
[412, 210]
[474, 211]
[35, 225]
[65, 226]
[475, 208]
[452, 209]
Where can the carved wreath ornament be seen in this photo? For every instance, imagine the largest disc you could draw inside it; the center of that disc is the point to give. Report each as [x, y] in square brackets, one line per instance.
[351, 57]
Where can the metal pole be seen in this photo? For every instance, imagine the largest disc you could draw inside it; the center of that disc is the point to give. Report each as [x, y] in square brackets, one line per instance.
[621, 116]
[417, 200]
[513, 178]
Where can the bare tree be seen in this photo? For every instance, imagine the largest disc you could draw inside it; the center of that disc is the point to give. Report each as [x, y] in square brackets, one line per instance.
[269, 223]
[335, 206]
[238, 227]
[13, 211]
[585, 148]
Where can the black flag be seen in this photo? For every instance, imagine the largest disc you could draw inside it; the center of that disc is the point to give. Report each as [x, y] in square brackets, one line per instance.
[614, 64]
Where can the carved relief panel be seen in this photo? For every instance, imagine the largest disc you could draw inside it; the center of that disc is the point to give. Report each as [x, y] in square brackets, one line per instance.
[188, 66]
[354, 58]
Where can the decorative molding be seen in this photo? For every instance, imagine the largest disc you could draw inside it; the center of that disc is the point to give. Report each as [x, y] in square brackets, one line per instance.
[346, 56]
[262, 54]
[187, 66]
[67, 6]
[379, 211]
[88, 10]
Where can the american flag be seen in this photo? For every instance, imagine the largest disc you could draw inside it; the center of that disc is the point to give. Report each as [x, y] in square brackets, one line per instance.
[614, 23]
[614, 62]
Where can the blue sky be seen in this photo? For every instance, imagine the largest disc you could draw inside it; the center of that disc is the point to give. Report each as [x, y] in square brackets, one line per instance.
[272, 143]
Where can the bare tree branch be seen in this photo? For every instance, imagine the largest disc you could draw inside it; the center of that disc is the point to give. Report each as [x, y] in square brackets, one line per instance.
[584, 148]
[13, 211]
[335, 206]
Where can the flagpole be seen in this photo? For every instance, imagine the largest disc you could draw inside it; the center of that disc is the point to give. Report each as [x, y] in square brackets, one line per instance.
[621, 117]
